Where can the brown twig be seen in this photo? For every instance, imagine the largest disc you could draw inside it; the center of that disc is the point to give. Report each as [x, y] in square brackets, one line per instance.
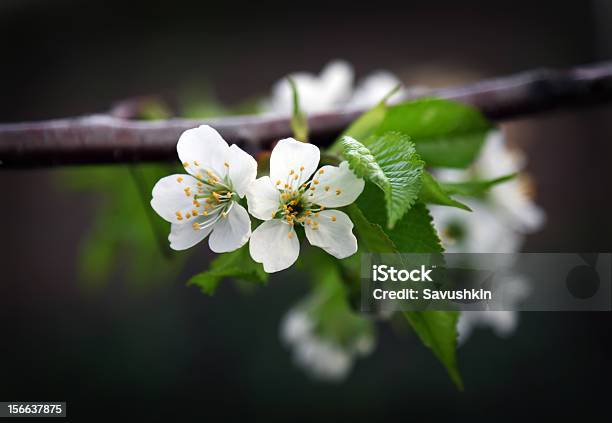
[109, 139]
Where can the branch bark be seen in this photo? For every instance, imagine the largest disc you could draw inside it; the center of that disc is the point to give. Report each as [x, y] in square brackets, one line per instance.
[112, 139]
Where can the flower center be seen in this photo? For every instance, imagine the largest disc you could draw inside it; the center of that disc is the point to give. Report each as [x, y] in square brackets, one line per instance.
[296, 206]
[213, 199]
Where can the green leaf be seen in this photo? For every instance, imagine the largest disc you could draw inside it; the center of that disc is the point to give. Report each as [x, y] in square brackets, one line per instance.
[299, 123]
[372, 236]
[474, 188]
[445, 133]
[367, 123]
[432, 192]
[438, 331]
[392, 164]
[413, 233]
[237, 264]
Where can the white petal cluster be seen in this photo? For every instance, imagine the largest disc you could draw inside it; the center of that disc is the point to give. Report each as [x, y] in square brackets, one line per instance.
[498, 223]
[206, 201]
[333, 88]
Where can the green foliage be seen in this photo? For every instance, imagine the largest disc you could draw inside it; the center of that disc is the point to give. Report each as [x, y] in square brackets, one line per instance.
[413, 233]
[474, 188]
[371, 235]
[438, 331]
[433, 193]
[299, 122]
[364, 126]
[393, 165]
[446, 133]
[126, 233]
[236, 264]
[335, 320]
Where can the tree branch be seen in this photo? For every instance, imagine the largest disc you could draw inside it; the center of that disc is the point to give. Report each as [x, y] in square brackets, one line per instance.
[111, 139]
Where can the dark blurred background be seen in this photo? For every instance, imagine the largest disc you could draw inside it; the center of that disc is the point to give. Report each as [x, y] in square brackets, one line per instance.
[163, 349]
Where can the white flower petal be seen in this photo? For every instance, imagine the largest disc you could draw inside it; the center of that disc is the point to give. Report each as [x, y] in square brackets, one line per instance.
[333, 233]
[291, 155]
[337, 187]
[203, 148]
[170, 197]
[308, 87]
[242, 169]
[373, 88]
[183, 236]
[275, 244]
[336, 82]
[231, 232]
[263, 198]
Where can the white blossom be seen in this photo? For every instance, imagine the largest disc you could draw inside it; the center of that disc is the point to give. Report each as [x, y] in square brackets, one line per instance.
[205, 201]
[289, 197]
[497, 224]
[322, 358]
[333, 88]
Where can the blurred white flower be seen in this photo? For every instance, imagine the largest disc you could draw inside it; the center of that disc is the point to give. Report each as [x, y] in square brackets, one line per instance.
[323, 359]
[332, 89]
[318, 93]
[511, 201]
[514, 288]
[205, 201]
[289, 197]
[372, 89]
[497, 224]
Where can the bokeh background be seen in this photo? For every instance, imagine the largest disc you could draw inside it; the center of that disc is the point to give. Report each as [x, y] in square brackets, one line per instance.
[152, 347]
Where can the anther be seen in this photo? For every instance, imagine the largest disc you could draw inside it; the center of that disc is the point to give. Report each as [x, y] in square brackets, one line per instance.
[195, 162]
[226, 164]
[338, 192]
[327, 187]
[321, 172]
[278, 182]
[179, 179]
[333, 218]
[291, 172]
[185, 164]
[315, 182]
[301, 167]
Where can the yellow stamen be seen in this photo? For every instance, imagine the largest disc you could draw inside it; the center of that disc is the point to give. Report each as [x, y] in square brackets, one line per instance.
[301, 167]
[188, 215]
[333, 218]
[291, 172]
[196, 163]
[315, 182]
[179, 179]
[278, 182]
[226, 164]
[338, 192]
[327, 188]
[185, 164]
[321, 172]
